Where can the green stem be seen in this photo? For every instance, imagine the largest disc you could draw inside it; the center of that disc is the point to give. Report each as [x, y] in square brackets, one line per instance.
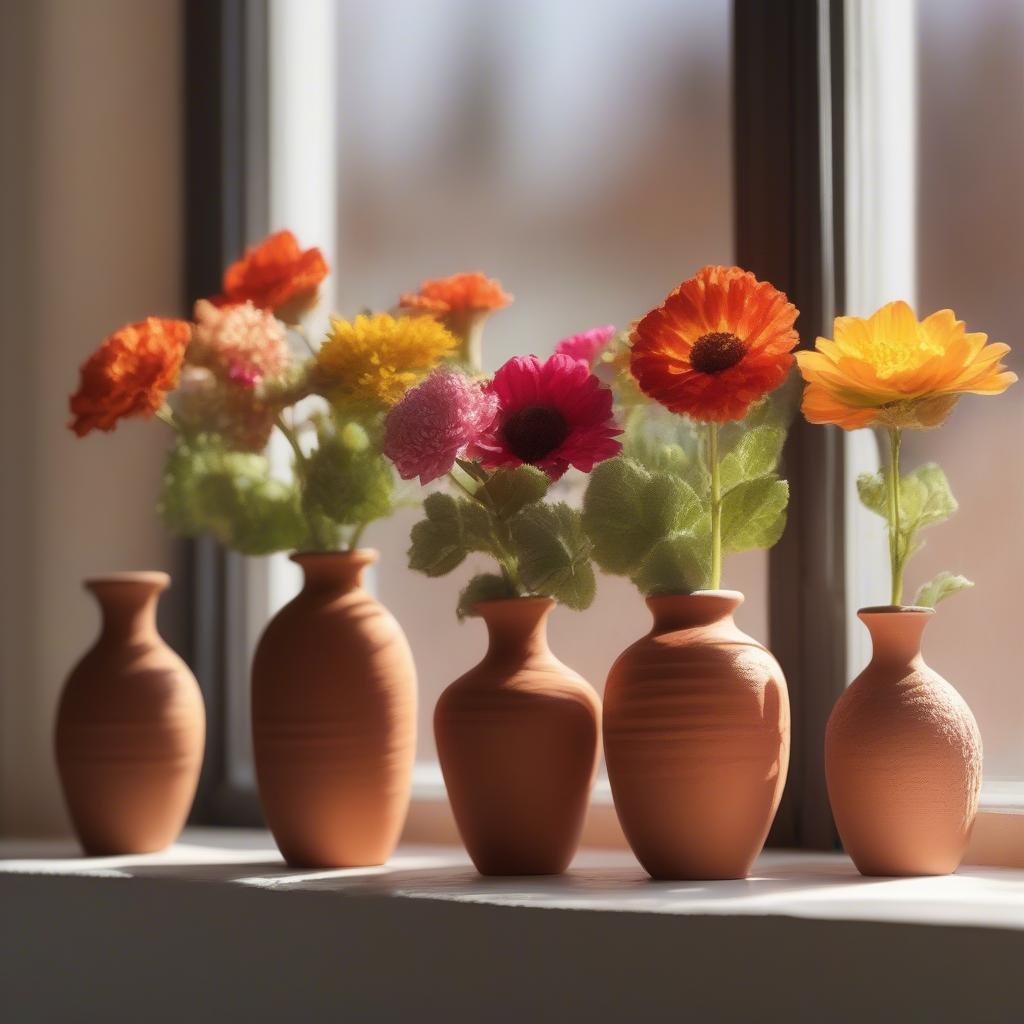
[896, 555]
[357, 536]
[716, 506]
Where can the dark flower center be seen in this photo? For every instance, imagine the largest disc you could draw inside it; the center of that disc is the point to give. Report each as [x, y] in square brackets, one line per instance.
[534, 431]
[715, 352]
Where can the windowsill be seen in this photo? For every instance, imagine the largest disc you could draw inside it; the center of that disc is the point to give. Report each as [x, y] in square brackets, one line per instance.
[204, 924]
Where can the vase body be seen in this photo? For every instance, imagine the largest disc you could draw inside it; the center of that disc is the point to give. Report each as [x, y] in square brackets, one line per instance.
[518, 737]
[130, 726]
[696, 736]
[902, 757]
[334, 719]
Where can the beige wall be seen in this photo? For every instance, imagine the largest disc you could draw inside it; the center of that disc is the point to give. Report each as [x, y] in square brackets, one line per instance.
[92, 187]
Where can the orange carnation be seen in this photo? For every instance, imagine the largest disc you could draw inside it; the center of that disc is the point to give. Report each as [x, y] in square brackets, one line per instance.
[717, 344]
[460, 292]
[276, 275]
[129, 374]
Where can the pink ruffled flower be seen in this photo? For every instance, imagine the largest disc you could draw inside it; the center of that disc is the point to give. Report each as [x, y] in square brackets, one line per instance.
[552, 415]
[241, 343]
[586, 345]
[435, 421]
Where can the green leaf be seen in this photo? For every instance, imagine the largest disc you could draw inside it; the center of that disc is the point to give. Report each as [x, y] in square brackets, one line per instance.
[484, 587]
[627, 509]
[756, 454]
[347, 481]
[508, 491]
[932, 499]
[939, 588]
[873, 490]
[438, 544]
[230, 495]
[678, 564]
[553, 554]
[754, 514]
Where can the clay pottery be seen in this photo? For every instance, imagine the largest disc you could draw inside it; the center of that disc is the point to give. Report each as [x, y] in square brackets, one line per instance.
[696, 735]
[517, 737]
[902, 756]
[334, 719]
[130, 726]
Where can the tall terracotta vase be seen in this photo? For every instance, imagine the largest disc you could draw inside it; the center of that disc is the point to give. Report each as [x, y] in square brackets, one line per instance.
[130, 726]
[902, 756]
[696, 736]
[517, 737]
[334, 719]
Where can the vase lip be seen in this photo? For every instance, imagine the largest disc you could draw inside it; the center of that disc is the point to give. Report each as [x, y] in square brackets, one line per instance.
[360, 556]
[144, 577]
[895, 609]
[521, 602]
[697, 596]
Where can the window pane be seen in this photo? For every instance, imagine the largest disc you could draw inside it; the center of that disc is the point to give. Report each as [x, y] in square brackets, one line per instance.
[971, 220]
[578, 151]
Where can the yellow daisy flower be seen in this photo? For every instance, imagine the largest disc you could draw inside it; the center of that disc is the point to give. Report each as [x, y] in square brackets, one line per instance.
[378, 358]
[892, 370]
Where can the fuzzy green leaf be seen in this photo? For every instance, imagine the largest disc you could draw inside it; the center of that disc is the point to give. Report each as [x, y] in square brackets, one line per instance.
[939, 588]
[677, 564]
[925, 496]
[873, 491]
[754, 514]
[231, 496]
[438, 543]
[627, 509]
[508, 491]
[553, 554]
[756, 454]
[484, 587]
[347, 481]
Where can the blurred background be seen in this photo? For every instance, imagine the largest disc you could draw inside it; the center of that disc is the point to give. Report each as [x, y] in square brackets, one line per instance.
[582, 151]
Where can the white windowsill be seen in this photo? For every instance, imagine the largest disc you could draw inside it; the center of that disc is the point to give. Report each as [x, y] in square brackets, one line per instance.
[218, 928]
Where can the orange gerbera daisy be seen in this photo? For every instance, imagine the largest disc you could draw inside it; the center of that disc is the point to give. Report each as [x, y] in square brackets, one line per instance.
[276, 275]
[462, 303]
[718, 343]
[129, 374]
[895, 371]
[460, 292]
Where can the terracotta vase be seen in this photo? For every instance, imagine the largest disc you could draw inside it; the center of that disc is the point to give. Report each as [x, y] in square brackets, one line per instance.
[517, 737]
[130, 726]
[902, 756]
[334, 719]
[696, 736]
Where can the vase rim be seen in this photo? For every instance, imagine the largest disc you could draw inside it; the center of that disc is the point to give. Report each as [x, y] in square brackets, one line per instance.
[896, 609]
[148, 577]
[504, 602]
[719, 595]
[363, 556]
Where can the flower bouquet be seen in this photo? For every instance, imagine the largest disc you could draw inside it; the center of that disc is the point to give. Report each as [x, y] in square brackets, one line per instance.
[902, 749]
[517, 735]
[696, 716]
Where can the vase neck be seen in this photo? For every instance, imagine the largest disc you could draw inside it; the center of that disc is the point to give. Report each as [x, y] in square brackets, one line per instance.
[336, 571]
[128, 602]
[896, 633]
[517, 627]
[672, 612]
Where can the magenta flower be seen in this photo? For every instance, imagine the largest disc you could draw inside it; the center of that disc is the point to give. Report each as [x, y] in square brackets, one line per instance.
[586, 345]
[433, 424]
[552, 415]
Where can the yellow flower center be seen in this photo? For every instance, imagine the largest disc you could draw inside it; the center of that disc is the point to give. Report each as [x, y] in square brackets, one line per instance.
[717, 351]
[891, 355]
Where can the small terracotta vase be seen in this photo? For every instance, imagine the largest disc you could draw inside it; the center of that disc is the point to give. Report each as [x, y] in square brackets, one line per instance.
[334, 719]
[130, 726]
[517, 737]
[696, 737]
[902, 756]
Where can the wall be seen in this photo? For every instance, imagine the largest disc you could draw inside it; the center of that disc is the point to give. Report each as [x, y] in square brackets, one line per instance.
[92, 187]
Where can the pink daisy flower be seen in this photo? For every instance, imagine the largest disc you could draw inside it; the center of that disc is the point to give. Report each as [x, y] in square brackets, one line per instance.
[428, 429]
[586, 345]
[552, 415]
